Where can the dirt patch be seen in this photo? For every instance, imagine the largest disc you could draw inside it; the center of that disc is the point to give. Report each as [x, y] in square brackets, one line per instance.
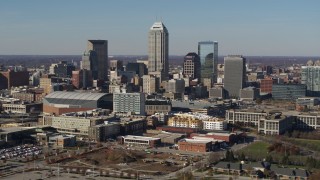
[129, 161]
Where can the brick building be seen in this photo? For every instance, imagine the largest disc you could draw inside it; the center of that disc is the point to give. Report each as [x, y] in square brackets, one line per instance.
[10, 79]
[227, 137]
[195, 145]
[153, 106]
[266, 85]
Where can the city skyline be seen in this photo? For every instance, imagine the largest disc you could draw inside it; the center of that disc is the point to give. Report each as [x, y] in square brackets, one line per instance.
[268, 28]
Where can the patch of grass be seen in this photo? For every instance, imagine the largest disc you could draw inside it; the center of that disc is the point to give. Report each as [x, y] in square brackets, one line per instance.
[312, 144]
[256, 150]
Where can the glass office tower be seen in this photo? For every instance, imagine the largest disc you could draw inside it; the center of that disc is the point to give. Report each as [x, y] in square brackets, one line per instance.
[208, 52]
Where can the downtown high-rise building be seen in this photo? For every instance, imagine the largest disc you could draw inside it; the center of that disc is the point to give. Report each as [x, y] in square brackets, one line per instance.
[158, 51]
[234, 75]
[191, 66]
[101, 49]
[208, 52]
[310, 77]
[90, 62]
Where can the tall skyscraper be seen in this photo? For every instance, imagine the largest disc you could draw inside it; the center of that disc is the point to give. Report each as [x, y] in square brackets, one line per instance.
[234, 75]
[191, 66]
[310, 77]
[215, 61]
[90, 63]
[208, 52]
[158, 44]
[101, 48]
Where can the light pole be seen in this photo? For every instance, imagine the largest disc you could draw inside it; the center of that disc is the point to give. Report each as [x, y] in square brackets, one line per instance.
[58, 171]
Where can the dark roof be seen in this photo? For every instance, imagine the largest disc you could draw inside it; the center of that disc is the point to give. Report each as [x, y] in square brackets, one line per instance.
[74, 98]
[157, 102]
[227, 165]
[97, 41]
[291, 172]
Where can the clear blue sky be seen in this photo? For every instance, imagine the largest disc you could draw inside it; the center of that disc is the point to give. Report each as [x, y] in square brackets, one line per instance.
[248, 27]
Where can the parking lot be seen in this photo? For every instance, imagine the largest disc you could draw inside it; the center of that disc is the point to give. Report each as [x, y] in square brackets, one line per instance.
[22, 151]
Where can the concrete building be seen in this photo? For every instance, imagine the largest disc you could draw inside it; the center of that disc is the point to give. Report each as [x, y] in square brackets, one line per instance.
[29, 96]
[158, 53]
[102, 132]
[191, 66]
[62, 141]
[249, 93]
[72, 124]
[61, 102]
[101, 49]
[114, 88]
[62, 69]
[153, 106]
[234, 75]
[175, 86]
[217, 92]
[275, 124]
[116, 65]
[198, 92]
[22, 108]
[150, 84]
[47, 82]
[308, 121]
[133, 125]
[139, 68]
[140, 141]
[90, 62]
[244, 117]
[306, 103]
[129, 103]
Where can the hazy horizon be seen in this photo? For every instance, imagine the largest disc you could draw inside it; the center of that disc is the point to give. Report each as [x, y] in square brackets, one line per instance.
[249, 27]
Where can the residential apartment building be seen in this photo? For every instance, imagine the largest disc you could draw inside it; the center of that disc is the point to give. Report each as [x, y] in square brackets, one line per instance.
[185, 120]
[214, 124]
[129, 103]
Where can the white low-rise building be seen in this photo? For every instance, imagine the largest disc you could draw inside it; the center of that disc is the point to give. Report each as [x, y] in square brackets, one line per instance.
[214, 124]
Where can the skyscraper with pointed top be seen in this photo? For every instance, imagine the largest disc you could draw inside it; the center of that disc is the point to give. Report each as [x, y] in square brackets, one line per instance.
[158, 51]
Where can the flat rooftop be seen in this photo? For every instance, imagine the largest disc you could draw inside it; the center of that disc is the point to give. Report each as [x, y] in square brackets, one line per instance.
[140, 138]
[15, 129]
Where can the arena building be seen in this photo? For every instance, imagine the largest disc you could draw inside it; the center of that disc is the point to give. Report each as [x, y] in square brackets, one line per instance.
[60, 102]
